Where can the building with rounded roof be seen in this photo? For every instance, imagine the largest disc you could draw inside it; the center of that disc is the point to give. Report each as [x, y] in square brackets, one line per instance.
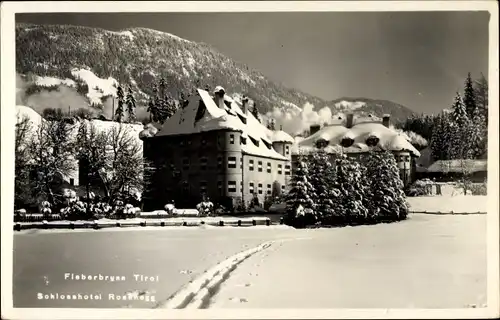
[354, 136]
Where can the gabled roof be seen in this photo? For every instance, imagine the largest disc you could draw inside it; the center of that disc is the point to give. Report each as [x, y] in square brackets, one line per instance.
[202, 115]
[389, 139]
[459, 165]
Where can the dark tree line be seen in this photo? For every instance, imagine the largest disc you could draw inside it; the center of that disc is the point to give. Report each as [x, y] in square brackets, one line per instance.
[462, 131]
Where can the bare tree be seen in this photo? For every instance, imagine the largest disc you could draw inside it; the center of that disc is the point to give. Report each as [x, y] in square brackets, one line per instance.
[125, 169]
[91, 153]
[22, 159]
[52, 157]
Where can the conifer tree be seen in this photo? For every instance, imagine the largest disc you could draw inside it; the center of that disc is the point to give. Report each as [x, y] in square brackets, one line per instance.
[481, 94]
[255, 111]
[386, 199]
[120, 111]
[348, 191]
[480, 118]
[437, 140]
[130, 105]
[300, 198]
[469, 99]
[459, 113]
[322, 179]
[461, 140]
[271, 124]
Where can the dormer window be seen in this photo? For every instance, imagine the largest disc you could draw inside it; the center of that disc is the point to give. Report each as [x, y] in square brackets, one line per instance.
[347, 142]
[243, 140]
[372, 141]
[242, 119]
[267, 144]
[255, 142]
[321, 143]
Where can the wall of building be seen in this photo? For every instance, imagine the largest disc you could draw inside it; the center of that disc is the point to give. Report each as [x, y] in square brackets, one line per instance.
[183, 164]
[212, 164]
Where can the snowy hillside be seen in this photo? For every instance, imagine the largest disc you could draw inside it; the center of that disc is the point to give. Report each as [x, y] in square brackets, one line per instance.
[91, 60]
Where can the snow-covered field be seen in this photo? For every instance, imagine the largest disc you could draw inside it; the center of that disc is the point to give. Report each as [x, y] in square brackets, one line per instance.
[445, 204]
[428, 261]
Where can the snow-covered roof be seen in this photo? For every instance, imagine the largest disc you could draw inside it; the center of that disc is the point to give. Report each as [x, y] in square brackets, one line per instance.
[195, 119]
[459, 165]
[280, 136]
[362, 129]
[27, 112]
[101, 126]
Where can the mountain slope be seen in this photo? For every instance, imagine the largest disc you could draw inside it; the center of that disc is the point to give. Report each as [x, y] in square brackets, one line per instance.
[137, 57]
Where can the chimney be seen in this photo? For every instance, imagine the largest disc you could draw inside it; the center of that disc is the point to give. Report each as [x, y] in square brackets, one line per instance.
[386, 120]
[281, 127]
[244, 104]
[219, 96]
[314, 128]
[350, 120]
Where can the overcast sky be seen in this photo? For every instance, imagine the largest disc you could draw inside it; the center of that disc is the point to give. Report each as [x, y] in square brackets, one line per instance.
[418, 59]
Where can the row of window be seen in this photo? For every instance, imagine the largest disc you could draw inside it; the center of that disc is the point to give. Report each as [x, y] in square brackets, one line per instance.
[231, 187]
[232, 163]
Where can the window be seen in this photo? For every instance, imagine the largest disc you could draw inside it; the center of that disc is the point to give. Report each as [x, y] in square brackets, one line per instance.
[219, 187]
[250, 165]
[280, 169]
[287, 169]
[250, 187]
[259, 166]
[203, 163]
[219, 162]
[72, 181]
[241, 163]
[269, 167]
[283, 187]
[287, 150]
[243, 140]
[231, 138]
[185, 163]
[269, 191]
[241, 186]
[231, 162]
[407, 158]
[203, 186]
[260, 188]
[231, 186]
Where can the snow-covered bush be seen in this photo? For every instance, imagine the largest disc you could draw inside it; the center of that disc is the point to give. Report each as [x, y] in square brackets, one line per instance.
[45, 208]
[205, 208]
[170, 208]
[419, 188]
[125, 211]
[76, 210]
[479, 189]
